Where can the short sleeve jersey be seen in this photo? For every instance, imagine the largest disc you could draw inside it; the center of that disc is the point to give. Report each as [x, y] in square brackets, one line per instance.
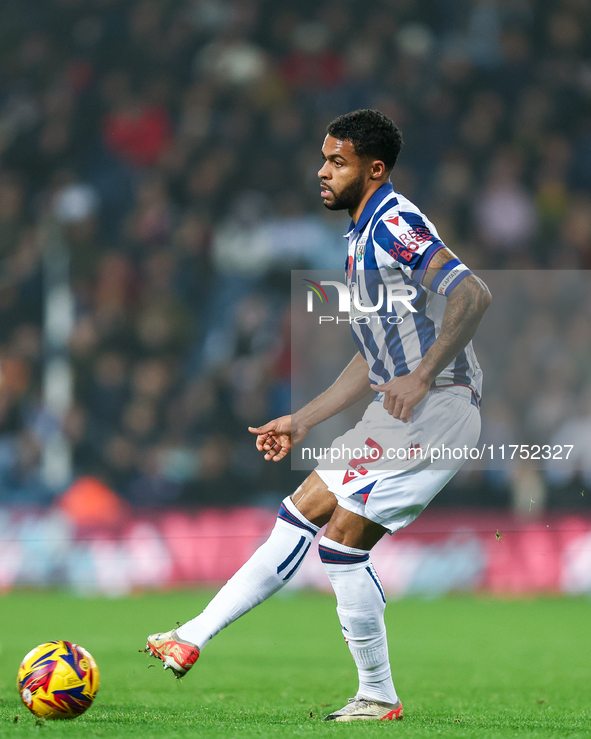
[390, 248]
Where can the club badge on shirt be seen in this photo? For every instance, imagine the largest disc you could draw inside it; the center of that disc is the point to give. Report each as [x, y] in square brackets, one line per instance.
[360, 251]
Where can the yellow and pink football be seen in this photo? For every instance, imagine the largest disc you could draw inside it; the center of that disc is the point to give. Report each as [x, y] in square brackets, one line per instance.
[58, 680]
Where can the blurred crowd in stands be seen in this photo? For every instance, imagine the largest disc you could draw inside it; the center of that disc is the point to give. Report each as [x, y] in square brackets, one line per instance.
[177, 143]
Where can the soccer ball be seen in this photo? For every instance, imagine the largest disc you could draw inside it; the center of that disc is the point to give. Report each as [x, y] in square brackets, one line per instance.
[58, 680]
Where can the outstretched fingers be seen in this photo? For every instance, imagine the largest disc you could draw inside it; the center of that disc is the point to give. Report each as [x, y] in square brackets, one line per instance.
[264, 437]
[277, 451]
[274, 445]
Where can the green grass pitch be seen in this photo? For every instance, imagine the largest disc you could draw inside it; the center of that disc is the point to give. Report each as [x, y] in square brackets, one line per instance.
[464, 667]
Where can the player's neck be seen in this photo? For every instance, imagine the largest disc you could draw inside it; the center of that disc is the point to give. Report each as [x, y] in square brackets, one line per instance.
[373, 186]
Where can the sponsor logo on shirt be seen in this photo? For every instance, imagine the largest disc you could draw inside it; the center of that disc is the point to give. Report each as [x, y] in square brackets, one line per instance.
[406, 243]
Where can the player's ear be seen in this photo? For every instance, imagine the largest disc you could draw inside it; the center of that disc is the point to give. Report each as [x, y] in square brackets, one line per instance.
[378, 169]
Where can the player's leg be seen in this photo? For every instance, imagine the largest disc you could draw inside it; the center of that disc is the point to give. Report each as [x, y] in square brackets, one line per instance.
[270, 568]
[273, 564]
[386, 496]
[345, 553]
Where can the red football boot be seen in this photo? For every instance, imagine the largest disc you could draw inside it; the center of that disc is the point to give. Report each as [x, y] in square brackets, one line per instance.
[178, 655]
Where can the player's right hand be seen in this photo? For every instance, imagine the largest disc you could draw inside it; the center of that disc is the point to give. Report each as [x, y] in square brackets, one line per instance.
[277, 437]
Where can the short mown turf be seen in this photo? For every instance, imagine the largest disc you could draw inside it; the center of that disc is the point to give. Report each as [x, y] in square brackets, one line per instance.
[464, 667]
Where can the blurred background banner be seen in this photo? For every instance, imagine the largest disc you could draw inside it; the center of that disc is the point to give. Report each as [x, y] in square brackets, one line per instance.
[158, 183]
[442, 551]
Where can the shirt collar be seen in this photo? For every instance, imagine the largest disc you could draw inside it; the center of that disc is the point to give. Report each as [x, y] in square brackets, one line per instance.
[371, 206]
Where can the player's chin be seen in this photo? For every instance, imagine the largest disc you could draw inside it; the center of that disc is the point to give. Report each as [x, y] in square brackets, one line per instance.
[333, 204]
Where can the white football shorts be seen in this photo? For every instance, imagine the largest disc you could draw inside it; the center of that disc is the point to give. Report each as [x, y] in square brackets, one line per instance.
[387, 471]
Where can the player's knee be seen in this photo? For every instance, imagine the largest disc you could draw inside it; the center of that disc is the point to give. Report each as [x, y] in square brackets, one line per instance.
[352, 530]
[337, 529]
[314, 501]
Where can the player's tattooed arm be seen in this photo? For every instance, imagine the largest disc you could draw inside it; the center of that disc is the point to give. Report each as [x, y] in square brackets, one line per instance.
[466, 304]
[442, 258]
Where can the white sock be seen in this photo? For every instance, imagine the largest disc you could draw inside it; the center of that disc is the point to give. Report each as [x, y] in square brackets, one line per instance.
[360, 607]
[267, 571]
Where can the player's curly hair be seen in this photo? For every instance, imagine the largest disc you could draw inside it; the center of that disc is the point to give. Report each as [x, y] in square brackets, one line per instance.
[372, 133]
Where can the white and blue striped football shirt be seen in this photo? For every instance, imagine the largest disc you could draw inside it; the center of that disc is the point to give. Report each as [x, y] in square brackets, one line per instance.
[390, 248]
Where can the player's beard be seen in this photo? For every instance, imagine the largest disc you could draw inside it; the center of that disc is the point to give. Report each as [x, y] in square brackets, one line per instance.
[349, 197]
